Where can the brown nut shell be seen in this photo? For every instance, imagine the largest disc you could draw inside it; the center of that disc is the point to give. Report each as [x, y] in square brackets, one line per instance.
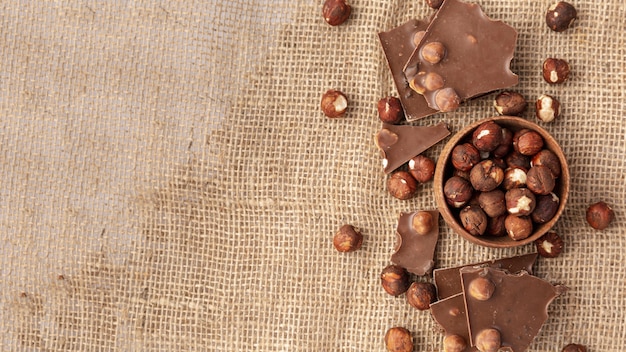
[422, 168]
[395, 280]
[549, 245]
[540, 180]
[520, 201]
[464, 157]
[390, 110]
[487, 136]
[457, 191]
[546, 208]
[348, 239]
[336, 12]
[398, 339]
[492, 203]
[518, 227]
[474, 220]
[334, 103]
[599, 215]
[486, 176]
[421, 294]
[402, 185]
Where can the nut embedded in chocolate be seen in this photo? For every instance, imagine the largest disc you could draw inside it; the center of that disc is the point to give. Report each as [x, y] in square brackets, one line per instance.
[433, 52]
[447, 100]
[422, 222]
[486, 176]
[510, 103]
[547, 108]
[481, 288]
[395, 280]
[421, 294]
[527, 142]
[547, 158]
[422, 168]
[454, 343]
[518, 227]
[560, 16]
[520, 201]
[492, 203]
[474, 220]
[540, 180]
[549, 245]
[390, 110]
[458, 191]
[336, 12]
[599, 215]
[348, 239]
[555, 70]
[334, 103]
[464, 157]
[487, 136]
[546, 208]
[402, 185]
[398, 339]
[426, 81]
[488, 340]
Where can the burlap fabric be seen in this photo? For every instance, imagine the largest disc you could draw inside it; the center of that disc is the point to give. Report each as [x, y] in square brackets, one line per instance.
[168, 182]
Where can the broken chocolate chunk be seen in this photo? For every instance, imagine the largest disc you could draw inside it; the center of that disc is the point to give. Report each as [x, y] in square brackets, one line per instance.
[517, 306]
[448, 280]
[398, 44]
[400, 143]
[450, 314]
[472, 56]
[415, 251]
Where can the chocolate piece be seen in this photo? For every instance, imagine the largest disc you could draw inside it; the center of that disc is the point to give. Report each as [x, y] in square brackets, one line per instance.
[413, 251]
[450, 314]
[476, 57]
[398, 44]
[517, 308]
[400, 143]
[448, 280]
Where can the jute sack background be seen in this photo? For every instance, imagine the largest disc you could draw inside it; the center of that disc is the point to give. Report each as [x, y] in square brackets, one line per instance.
[169, 183]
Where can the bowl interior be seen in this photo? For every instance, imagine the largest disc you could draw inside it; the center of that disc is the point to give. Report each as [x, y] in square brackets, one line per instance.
[444, 170]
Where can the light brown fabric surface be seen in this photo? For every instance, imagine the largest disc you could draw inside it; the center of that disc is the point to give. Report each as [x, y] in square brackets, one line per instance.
[167, 181]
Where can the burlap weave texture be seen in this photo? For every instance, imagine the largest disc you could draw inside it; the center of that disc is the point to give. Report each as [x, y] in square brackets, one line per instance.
[168, 183]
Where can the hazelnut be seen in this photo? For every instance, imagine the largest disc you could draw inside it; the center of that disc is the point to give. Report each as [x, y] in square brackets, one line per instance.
[457, 191]
[423, 82]
[573, 347]
[395, 280]
[540, 180]
[518, 160]
[464, 157]
[474, 220]
[520, 201]
[518, 227]
[435, 4]
[527, 142]
[487, 136]
[417, 37]
[421, 294]
[546, 208]
[495, 226]
[488, 340]
[505, 146]
[446, 100]
[492, 202]
[599, 215]
[402, 185]
[547, 108]
[348, 239]
[433, 52]
[547, 158]
[555, 70]
[549, 245]
[334, 103]
[422, 222]
[454, 343]
[481, 288]
[390, 110]
[486, 176]
[560, 16]
[510, 103]
[514, 177]
[336, 12]
[462, 174]
[398, 339]
[422, 168]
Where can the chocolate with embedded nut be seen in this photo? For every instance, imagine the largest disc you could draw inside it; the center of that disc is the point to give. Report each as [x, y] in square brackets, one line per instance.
[415, 251]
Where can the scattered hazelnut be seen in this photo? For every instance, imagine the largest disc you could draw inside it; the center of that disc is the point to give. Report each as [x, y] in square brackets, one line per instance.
[486, 176]
[334, 103]
[348, 239]
[421, 294]
[560, 16]
[510, 103]
[520, 201]
[457, 191]
[514, 177]
[487, 136]
[402, 185]
[527, 142]
[547, 108]
[474, 220]
[336, 12]
[398, 339]
[495, 226]
[435, 4]
[546, 208]
[518, 227]
[488, 340]
[547, 158]
[422, 168]
[573, 347]
[505, 146]
[395, 280]
[447, 100]
[433, 52]
[454, 343]
[540, 180]
[464, 157]
[481, 288]
[549, 245]
[600, 215]
[390, 110]
[492, 202]
[555, 70]
[422, 222]
[518, 160]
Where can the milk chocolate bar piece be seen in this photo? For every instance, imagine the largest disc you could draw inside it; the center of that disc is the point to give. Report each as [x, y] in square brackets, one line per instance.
[448, 280]
[517, 305]
[450, 314]
[414, 251]
[398, 45]
[400, 143]
[462, 53]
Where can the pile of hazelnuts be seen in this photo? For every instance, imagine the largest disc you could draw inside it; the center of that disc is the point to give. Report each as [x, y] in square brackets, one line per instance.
[503, 182]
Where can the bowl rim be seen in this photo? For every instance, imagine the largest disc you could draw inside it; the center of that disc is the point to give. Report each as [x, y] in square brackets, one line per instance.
[504, 241]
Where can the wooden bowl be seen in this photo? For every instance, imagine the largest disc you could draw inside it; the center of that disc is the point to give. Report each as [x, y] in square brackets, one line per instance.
[444, 170]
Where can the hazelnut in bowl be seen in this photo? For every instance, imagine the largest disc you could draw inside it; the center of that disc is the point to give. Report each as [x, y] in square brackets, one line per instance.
[501, 182]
